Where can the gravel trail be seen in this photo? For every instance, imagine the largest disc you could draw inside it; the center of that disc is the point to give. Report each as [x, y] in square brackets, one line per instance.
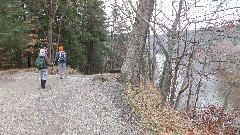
[76, 105]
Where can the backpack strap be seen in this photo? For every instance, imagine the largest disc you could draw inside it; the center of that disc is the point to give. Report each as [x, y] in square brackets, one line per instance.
[44, 62]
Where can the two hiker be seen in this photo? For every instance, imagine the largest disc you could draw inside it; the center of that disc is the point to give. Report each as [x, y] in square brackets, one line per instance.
[43, 62]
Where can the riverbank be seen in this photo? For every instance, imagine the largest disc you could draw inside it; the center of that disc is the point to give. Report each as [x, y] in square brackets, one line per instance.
[210, 119]
[230, 88]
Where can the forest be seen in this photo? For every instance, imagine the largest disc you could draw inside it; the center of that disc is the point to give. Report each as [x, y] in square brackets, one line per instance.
[29, 25]
[177, 60]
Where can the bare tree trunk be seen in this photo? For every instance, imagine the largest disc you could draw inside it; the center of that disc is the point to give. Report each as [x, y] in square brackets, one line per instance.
[167, 77]
[153, 60]
[51, 12]
[29, 18]
[189, 96]
[165, 81]
[59, 32]
[199, 85]
[131, 68]
[187, 79]
[149, 58]
[186, 83]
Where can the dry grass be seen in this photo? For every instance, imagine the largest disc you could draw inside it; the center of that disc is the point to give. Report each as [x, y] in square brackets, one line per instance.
[51, 70]
[145, 101]
[231, 83]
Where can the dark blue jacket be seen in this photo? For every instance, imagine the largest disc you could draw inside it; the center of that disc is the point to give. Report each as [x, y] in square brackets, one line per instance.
[60, 61]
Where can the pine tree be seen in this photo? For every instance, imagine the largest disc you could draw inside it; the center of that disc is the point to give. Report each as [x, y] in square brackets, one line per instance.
[13, 33]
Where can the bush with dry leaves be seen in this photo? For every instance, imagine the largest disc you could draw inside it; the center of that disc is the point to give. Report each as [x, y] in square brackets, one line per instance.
[145, 102]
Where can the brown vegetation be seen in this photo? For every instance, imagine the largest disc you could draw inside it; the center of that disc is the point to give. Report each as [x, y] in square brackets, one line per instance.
[144, 101]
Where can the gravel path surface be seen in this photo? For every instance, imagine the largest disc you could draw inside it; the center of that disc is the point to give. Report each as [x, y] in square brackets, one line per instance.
[74, 105]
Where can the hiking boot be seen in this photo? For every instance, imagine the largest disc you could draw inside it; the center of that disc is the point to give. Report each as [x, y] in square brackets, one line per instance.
[43, 82]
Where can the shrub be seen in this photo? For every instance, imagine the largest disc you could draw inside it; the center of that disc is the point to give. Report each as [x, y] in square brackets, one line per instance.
[145, 102]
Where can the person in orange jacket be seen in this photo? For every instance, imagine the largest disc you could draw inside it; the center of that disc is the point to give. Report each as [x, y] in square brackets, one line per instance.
[61, 59]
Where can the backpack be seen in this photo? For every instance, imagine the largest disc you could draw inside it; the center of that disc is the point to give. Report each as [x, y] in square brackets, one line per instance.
[41, 63]
[62, 56]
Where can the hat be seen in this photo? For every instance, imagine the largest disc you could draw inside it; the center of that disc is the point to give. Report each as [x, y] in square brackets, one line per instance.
[60, 48]
[42, 52]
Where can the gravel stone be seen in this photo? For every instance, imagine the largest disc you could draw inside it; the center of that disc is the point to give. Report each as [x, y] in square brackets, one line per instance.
[75, 105]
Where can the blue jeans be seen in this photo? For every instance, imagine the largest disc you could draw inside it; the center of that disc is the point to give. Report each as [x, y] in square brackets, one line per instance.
[62, 69]
[43, 74]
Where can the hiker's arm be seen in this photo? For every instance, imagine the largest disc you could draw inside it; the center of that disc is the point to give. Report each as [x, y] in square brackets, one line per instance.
[57, 56]
[48, 61]
[36, 62]
[66, 57]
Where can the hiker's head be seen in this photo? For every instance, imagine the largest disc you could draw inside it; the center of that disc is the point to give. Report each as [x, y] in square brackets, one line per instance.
[46, 50]
[60, 48]
[42, 52]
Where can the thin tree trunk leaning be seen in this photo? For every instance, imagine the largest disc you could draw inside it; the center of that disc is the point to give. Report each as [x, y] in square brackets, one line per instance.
[165, 82]
[131, 68]
[199, 84]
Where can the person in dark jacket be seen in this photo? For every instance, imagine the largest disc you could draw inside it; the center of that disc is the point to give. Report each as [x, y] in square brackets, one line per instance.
[43, 72]
[61, 59]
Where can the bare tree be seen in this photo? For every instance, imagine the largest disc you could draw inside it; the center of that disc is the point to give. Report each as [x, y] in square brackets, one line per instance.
[52, 8]
[131, 68]
[180, 71]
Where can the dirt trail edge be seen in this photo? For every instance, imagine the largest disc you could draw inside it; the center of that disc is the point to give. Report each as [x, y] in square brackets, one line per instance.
[74, 105]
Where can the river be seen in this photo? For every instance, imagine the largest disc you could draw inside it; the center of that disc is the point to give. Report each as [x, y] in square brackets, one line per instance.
[213, 91]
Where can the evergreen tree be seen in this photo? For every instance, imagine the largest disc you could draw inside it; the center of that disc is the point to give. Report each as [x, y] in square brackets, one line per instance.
[77, 25]
[13, 33]
[83, 35]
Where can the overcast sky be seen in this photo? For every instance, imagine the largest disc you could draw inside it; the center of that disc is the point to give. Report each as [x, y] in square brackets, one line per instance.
[230, 10]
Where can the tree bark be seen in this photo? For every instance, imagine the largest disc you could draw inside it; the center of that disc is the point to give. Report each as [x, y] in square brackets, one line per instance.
[166, 82]
[131, 68]
[51, 11]
[167, 85]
